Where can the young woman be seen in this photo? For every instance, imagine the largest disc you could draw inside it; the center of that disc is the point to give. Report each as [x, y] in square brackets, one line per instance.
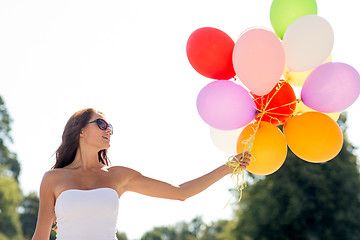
[81, 191]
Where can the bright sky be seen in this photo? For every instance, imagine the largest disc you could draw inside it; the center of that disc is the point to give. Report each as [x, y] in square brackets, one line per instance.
[128, 59]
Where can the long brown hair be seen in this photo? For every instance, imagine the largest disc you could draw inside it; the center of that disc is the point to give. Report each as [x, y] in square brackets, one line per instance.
[65, 154]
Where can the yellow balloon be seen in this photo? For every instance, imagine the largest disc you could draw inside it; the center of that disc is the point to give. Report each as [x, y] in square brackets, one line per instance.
[298, 78]
[268, 151]
[334, 116]
[302, 108]
[313, 137]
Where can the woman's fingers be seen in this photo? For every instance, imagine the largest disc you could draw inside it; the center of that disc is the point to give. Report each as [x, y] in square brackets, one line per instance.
[243, 159]
[247, 155]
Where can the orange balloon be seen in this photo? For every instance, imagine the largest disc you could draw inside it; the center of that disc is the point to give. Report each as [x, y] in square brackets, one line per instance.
[269, 148]
[313, 137]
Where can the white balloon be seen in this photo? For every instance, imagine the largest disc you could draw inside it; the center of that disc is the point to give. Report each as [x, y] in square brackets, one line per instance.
[225, 140]
[307, 42]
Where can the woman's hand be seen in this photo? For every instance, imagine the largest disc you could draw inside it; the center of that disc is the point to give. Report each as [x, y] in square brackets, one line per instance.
[239, 161]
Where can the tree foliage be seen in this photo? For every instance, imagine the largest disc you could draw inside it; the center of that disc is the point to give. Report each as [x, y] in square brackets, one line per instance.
[10, 193]
[121, 236]
[303, 201]
[28, 217]
[10, 199]
[215, 230]
[196, 229]
[8, 159]
[179, 231]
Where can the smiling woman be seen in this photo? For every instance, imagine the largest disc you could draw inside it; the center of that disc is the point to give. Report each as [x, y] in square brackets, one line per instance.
[65, 154]
[81, 191]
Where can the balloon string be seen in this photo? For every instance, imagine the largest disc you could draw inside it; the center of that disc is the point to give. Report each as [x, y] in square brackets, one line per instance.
[287, 76]
[284, 105]
[235, 165]
[235, 176]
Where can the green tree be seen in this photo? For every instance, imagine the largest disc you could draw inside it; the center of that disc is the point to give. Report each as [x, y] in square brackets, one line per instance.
[10, 199]
[160, 233]
[215, 230]
[196, 229]
[10, 193]
[303, 201]
[8, 159]
[121, 236]
[28, 217]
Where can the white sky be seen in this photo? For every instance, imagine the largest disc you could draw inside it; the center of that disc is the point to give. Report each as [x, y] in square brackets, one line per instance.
[128, 59]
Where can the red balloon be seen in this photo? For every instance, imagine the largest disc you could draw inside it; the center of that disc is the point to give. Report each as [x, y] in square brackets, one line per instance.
[209, 51]
[278, 105]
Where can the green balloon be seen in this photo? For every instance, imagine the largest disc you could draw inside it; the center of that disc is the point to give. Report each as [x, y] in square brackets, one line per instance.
[284, 12]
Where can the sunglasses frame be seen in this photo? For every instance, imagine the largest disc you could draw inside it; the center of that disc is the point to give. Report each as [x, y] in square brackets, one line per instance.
[107, 125]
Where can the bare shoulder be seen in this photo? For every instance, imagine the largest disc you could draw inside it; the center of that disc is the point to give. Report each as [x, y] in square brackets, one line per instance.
[51, 178]
[121, 169]
[123, 174]
[52, 175]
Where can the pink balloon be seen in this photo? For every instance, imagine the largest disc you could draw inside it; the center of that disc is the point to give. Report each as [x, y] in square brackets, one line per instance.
[225, 105]
[331, 87]
[259, 60]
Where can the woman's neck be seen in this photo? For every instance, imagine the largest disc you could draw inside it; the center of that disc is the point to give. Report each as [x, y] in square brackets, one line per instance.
[86, 159]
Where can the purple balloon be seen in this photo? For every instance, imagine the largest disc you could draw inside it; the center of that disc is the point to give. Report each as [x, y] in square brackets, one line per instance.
[331, 87]
[225, 105]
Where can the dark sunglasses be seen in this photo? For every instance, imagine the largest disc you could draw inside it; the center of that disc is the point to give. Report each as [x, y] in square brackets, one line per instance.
[103, 125]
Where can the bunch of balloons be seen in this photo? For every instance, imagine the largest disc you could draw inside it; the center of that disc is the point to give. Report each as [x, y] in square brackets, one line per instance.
[252, 92]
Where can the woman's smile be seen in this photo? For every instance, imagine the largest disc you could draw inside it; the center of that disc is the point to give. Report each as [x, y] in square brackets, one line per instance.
[107, 137]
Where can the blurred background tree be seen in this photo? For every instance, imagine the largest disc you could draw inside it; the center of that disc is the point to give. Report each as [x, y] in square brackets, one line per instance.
[196, 229]
[8, 159]
[179, 231]
[10, 199]
[10, 193]
[28, 217]
[121, 236]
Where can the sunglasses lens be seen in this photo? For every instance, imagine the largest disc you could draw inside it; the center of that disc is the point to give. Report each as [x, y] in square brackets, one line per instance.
[101, 124]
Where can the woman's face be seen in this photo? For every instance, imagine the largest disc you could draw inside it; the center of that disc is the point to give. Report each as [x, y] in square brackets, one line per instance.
[92, 135]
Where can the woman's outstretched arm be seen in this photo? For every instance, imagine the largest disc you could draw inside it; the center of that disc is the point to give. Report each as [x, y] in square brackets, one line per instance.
[136, 182]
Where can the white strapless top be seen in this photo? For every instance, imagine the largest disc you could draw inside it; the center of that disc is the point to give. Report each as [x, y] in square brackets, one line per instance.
[87, 214]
